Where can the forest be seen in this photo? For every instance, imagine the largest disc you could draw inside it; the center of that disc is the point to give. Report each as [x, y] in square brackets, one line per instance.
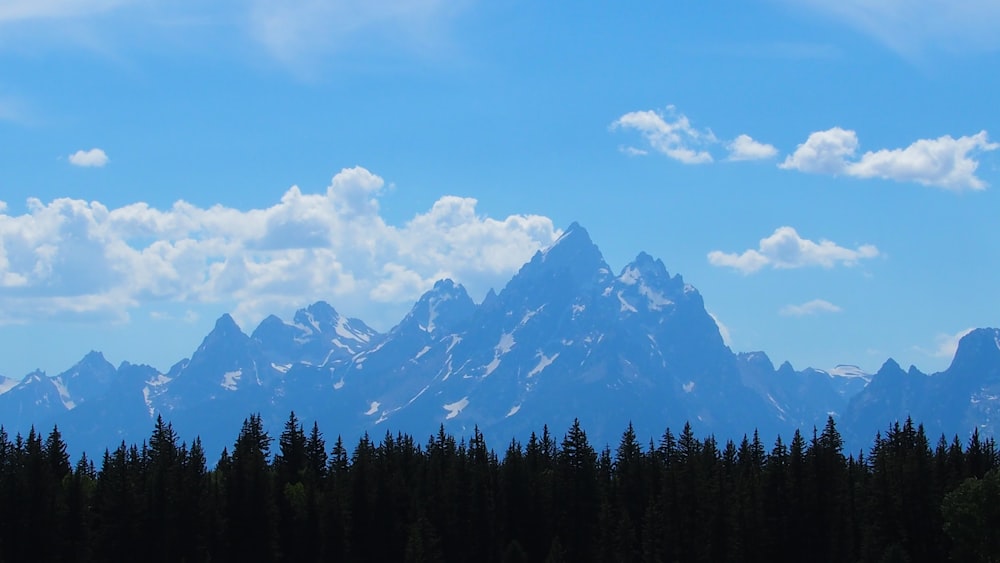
[679, 498]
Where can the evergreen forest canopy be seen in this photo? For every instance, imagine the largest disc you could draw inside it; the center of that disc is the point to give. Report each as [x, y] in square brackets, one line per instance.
[679, 499]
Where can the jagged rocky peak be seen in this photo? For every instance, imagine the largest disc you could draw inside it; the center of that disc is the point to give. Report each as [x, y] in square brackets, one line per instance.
[89, 377]
[93, 358]
[441, 309]
[786, 369]
[320, 316]
[35, 376]
[572, 264]
[225, 333]
[890, 373]
[92, 361]
[757, 360]
[225, 325]
[574, 246]
[644, 267]
[977, 349]
[270, 325]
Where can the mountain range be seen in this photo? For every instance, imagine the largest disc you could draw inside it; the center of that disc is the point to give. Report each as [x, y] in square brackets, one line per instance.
[565, 338]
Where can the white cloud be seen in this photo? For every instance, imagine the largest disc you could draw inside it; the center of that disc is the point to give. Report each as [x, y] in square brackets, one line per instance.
[297, 33]
[94, 158]
[72, 258]
[915, 26]
[670, 133]
[824, 152]
[744, 147]
[944, 162]
[633, 151]
[947, 344]
[18, 10]
[786, 249]
[293, 29]
[810, 308]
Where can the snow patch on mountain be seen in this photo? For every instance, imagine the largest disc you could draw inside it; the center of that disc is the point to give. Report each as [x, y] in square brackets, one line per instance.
[64, 395]
[543, 362]
[656, 299]
[492, 366]
[506, 342]
[626, 306]
[454, 409]
[630, 276]
[231, 379]
[7, 383]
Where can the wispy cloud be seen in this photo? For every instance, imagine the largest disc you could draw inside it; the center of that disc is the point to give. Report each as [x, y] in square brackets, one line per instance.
[293, 30]
[297, 33]
[944, 162]
[76, 259]
[22, 10]
[93, 158]
[914, 27]
[809, 308]
[945, 345]
[786, 249]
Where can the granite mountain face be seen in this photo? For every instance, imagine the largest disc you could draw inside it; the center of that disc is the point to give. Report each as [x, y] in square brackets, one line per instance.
[566, 338]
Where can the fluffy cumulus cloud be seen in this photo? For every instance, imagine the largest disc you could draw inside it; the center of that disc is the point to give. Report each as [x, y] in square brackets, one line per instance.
[744, 147]
[810, 308]
[944, 162]
[94, 158]
[824, 152]
[786, 249]
[70, 258]
[671, 133]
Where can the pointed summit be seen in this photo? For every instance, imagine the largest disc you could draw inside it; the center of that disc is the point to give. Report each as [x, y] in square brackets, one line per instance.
[574, 239]
[320, 316]
[440, 310]
[226, 335]
[573, 264]
[226, 325]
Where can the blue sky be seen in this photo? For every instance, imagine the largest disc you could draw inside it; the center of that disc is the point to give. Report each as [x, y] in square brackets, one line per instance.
[825, 172]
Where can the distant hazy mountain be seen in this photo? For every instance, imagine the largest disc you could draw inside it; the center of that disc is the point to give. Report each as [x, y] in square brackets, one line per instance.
[565, 338]
[962, 397]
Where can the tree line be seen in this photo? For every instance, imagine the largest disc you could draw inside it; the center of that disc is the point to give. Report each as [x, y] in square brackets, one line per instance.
[679, 498]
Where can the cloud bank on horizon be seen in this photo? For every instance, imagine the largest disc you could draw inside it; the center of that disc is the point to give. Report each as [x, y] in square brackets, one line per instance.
[75, 259]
